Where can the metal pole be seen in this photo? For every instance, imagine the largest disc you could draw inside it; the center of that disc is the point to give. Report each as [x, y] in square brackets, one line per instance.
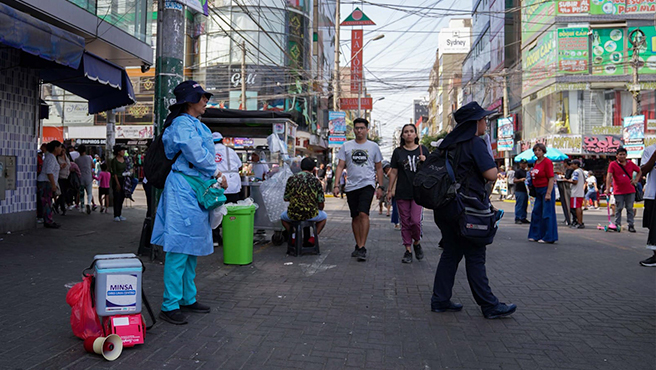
[169, 65]
[637, 39]
[336, 74]
[243, 75]
[111, 135]
[504, 75]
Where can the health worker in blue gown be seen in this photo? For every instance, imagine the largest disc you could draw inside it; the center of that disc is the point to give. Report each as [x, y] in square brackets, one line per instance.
[182, 226]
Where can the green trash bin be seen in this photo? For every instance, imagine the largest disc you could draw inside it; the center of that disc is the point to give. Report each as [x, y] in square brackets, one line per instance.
[238, 235]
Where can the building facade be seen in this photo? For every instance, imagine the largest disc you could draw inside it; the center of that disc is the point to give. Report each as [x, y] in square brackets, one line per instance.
[79, 46]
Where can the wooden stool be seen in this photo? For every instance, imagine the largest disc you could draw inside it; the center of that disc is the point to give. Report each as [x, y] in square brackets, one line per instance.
[297, 247]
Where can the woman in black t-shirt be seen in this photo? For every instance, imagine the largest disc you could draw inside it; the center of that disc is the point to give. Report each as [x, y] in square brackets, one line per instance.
[406, 159]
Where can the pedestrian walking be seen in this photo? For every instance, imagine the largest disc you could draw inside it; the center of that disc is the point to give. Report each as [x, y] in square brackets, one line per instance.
[501, 182]
[85, 162]
[521, 194]
[649, 216]
[342, 183]
[63, 182]
[229, 163]
[381, 191]
[321, 175]
[104, 178]
[620, 172]
[117, 169]
[406, 160]
[544, 226]
[510, 178]
[362, 158]
[329, 179]
[47, 182]
[592, 193]
[182, 226]
[475, 166]
[577, 194]
[566, 197]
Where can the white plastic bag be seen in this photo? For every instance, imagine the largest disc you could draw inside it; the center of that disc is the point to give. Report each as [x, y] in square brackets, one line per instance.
[216, 216]
[273, 193]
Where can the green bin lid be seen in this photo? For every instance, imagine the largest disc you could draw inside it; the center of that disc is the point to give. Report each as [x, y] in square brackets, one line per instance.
[241, 210]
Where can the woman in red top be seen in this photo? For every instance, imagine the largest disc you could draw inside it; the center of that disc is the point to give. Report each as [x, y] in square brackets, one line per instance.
[544, 226]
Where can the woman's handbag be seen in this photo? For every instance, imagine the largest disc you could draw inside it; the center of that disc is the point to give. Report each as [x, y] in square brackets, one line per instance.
[209, 192]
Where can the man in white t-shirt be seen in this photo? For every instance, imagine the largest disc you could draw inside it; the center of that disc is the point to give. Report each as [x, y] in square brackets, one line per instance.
[577, 194]
[649, 216]
[229, 164]
[362, 158]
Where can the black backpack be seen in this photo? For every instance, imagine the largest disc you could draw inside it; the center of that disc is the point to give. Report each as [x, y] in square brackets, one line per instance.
[156, 165]
[435, 184]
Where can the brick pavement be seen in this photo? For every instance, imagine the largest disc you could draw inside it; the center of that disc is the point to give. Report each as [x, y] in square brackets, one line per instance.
[584, 303]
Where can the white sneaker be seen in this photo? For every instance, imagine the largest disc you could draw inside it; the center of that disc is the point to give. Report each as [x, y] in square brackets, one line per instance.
[122, 218]
[39, 220]
[117, 219]
[81, 209]
[71, 207]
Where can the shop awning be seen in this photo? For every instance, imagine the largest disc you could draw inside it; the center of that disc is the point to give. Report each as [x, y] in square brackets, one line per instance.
[22, 31]
[104, 84]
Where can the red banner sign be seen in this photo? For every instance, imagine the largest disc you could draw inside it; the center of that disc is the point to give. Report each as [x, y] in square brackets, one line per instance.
[51, 133]
[356, 60]
[352, 103]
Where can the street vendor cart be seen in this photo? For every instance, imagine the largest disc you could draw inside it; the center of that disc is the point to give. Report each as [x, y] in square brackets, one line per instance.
[256, 127]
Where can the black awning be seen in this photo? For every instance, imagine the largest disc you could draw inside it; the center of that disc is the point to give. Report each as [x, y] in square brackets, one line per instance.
[244, 114]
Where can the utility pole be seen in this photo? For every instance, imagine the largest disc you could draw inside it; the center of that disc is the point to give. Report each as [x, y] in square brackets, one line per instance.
[336, 74]
[243, 75]
[637, 39]
[169, 71]
[504, 75]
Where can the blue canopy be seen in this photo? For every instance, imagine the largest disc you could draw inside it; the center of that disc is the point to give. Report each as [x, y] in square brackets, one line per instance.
[24, 32]
[552, 153]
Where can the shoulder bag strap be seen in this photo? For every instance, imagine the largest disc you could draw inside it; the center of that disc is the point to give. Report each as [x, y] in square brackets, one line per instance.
[624, 169]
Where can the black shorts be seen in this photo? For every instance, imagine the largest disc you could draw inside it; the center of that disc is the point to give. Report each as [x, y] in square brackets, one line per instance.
[359, 200]
[103, 191]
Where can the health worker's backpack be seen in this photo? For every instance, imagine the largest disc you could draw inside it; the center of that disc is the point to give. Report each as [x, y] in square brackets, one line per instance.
[435, 184]
[156, 166]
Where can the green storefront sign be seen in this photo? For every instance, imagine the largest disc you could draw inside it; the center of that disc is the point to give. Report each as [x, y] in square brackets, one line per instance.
[573, 50]
[537, 15]
[602, 7]
[647, 53]
[608, 52]
[539, 64]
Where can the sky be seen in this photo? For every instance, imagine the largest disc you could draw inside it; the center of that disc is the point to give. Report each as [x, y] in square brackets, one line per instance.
[397, 67]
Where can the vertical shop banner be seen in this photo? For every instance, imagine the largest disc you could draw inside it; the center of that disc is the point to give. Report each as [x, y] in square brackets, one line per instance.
[356, 60]
[537, 15]
[647, 53]
[603, 7]
[640, 6]
[634, 128]
[539, 64]
[336, 128]
[608, 52]
[566, 7]
[573, 50]
[505, 134]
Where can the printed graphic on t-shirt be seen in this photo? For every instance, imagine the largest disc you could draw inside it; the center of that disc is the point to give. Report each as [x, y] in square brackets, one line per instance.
[359, 157]
[534, 172]
[411, 162]
[218, 158]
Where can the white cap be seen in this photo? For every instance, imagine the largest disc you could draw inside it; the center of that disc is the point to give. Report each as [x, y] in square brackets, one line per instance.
[216, 136]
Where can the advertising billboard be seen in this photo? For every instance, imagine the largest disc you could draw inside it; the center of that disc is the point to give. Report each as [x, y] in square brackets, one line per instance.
[454, 40]
[537, 16]
[336, 128]
[567, 7]
[647, 53]
[608, 51]
[539, 64]
[506, 133]
[356, 60]
[573, 50]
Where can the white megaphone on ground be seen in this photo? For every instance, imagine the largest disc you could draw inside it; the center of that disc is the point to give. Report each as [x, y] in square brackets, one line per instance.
[110, 347]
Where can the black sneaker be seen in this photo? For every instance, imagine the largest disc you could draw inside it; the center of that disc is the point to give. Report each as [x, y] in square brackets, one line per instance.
[450, 307]
[649, 262]
[53, 225]
[355, 251]
[174, 317]
[419, 253]
[632, 229]
[581, 226]
[525, 221]
[88, 209]
[196, 307]
[407, 257]
[518, 222]
[361, 254]
[501, 310]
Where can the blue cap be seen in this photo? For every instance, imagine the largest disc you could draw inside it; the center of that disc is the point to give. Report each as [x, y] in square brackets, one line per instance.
[188, 92]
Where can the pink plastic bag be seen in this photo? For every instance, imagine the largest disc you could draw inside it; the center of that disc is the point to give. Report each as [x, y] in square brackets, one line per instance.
[84, 319]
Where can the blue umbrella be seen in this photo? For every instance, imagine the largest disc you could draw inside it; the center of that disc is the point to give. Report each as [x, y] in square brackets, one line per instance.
[552, 153]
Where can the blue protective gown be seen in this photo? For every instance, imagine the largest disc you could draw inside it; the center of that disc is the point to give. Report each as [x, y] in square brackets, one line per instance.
[181, 225]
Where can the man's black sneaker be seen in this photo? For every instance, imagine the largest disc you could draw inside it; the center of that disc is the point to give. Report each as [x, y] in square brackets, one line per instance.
[174, 317]
[581, 226]
[196, 307]
[649, 262]
[525, 221]
[355, 251]
[450, 307]
[88, 209]
[407, 257]
[632, 229]
[419, 253]
[52, 225]
[361, 254]
[518, 222]
[501, 310]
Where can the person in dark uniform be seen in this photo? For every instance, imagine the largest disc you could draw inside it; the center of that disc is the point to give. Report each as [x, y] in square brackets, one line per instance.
[474, 168]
